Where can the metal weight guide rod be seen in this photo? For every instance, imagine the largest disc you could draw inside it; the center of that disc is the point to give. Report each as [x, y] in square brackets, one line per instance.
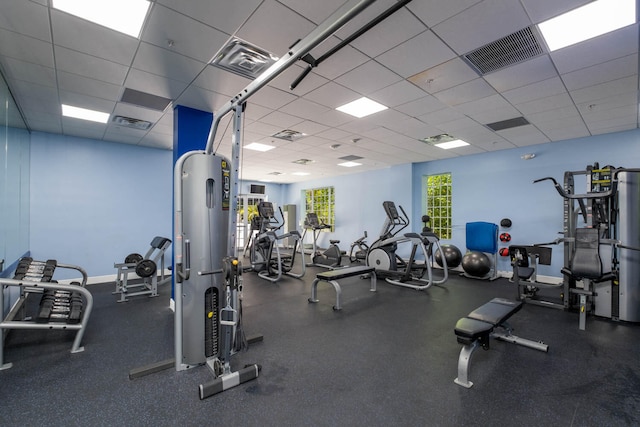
[231, 267]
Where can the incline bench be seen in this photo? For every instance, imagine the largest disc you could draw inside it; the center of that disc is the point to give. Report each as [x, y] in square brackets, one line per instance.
[479, 326]
[333, 276]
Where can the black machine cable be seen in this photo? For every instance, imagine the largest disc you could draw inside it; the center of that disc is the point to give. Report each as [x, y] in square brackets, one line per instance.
[315, 62]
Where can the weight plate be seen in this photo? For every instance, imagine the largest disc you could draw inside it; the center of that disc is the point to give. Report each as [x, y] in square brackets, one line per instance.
[133, 258]
[146, 268]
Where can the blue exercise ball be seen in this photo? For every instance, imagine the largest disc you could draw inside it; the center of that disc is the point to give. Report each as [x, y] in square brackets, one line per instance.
[476, 264]
[452, 256]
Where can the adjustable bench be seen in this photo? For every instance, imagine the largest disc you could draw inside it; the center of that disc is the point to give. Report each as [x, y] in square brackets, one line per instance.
[479, 326]
[332, 277]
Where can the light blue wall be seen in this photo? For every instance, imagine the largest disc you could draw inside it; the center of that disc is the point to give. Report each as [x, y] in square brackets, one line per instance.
[94, 202]
[492, 186]
[358, 201]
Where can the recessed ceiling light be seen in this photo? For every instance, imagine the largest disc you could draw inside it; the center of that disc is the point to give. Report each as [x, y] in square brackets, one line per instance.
[301, 173]
[361, 107]
[256, 146]
[265, 180]
[349, 164]
[84, 114]
[452, 144]
[591, 20]
[125, 16]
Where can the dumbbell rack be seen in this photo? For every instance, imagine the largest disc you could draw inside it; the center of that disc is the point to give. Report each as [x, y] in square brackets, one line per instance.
[62, 306]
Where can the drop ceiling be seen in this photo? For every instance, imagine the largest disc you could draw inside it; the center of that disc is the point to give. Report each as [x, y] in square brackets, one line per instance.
[415, 62]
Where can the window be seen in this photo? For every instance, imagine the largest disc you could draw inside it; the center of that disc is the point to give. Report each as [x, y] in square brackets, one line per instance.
[437, 197]
[321, 201]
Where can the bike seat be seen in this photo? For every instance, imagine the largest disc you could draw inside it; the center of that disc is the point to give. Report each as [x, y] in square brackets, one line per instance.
[334, 242]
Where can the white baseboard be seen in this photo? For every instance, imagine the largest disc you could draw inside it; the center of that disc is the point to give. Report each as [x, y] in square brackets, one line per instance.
[550, 280]
[95, 280]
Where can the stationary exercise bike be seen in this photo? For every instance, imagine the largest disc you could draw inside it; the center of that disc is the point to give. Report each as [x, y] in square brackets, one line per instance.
[413, 273]
[359, 249]
[330, 257]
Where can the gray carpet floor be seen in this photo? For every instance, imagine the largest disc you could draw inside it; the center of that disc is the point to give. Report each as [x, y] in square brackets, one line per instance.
[388, 358]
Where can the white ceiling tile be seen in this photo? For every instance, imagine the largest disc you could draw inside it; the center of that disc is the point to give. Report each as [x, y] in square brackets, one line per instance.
[398, 93]
[421, 106]
[332, 95]
[225, 16]
[304, 108]
[25, 48]
[86, 101]
[113, 46]
[310, 127]
[281, 120]
[466, 92]
[368, 78]
[543, 104]
[28, 18]
[314, 10]
[272, 98]
[481, 24]
[617, 44]
[310, 82]
[523, 136]
[395, 29]
[627, 85]
[86, 65]
[270, 14]
[181, 34]
[163, 62]
[344, 60]
[444, 115]
[522, 74]
[600, 73]
[201, 99]
[549, 87]
[444, 76]
[156, 85]
[29, 72]
[79, 84]
[432, 12]
[556, 115]
[420, 53]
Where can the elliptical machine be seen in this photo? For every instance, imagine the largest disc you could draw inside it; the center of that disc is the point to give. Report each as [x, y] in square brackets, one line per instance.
[411, 273]
[268, 255]
[330, 257]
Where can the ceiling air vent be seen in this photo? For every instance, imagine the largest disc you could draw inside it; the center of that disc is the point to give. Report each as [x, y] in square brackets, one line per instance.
[131, 123]
[275, 173]
[143, 99]
[289, 135]
[303, 161]
[350, 158]
[507, 51]
[507, 124]
[243, 58]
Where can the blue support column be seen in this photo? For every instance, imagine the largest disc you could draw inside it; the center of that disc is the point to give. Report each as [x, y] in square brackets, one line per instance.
[190, 132]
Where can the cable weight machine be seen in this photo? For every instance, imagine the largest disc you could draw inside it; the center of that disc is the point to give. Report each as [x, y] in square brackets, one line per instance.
[607, 211]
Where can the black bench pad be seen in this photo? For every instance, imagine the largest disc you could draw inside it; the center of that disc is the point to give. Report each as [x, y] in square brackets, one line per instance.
[341, 273]
[496, 311]
[481, 321]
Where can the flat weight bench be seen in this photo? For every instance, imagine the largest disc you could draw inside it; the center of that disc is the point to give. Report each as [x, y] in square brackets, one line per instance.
[479, 326]
[333, 276]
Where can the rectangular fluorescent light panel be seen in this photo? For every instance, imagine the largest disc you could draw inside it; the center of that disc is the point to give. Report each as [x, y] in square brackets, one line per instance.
[301, 173]
[125, 16]
[259, 147]
[591, 20]
[452, 144]
[349, 164]
[361, 107]
[84, 114]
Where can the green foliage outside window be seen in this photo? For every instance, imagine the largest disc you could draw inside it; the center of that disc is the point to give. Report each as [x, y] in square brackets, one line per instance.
[321, 201]
[437, 190]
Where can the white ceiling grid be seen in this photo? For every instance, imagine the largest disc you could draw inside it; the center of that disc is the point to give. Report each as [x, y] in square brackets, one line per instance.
[411, 62]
